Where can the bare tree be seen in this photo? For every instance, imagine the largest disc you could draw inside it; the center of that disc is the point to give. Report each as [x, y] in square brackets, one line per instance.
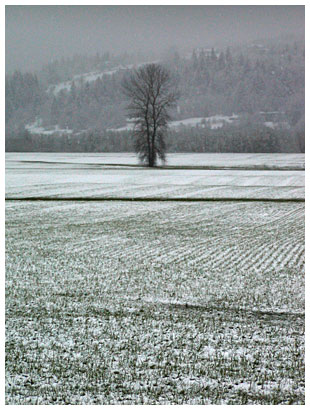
[152, 91]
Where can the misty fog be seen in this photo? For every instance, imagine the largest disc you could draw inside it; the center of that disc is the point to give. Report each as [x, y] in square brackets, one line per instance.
[37, 34]
[240, 72]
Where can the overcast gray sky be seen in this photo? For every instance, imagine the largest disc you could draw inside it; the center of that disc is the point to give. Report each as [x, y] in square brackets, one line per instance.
[37, 34]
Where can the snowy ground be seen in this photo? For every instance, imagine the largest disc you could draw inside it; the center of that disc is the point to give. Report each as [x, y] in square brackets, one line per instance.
[151, 302]
[186, 159]
[92, 175]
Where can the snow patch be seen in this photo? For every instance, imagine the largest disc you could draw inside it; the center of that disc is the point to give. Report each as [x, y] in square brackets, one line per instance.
[92, 76]
[36, 128]
[213, 122]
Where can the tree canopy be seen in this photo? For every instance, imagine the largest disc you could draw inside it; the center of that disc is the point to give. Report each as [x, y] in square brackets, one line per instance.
[152, 92]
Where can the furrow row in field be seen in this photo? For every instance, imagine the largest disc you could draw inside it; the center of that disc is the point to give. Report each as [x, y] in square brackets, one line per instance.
[175, 255]
[198, 252]
[151, 251]
[256, 253]
[279, 257]
[300, 257]
[267, 255]
[291, 255]
[289, 216]
[274, 219]
[232, 257]
[242, 228]
[296, 257]
[93, 190]
[200, 213]
[181, 250]
[244, 259]
[265, 228]
[208, 256]
[270, 257]
[205, 251]
[229, 261]
[227, 258]
[154, 252]
[80, 213]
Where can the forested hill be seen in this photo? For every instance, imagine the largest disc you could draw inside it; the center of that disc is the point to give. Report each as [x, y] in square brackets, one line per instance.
[77, 100]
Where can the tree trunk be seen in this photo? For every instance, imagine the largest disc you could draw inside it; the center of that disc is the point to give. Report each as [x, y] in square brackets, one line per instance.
[151, 154]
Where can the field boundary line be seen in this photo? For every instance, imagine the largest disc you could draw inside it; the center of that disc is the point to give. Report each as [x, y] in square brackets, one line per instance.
[181, 167]
[153, 199]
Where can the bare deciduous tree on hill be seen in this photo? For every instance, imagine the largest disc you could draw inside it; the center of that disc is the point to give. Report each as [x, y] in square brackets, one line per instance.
[152, 92]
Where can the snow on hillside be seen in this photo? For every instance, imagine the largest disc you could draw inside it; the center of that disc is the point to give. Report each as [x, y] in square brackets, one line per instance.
[273, 124]
[36, 128]
[215, 121]
[79, 79]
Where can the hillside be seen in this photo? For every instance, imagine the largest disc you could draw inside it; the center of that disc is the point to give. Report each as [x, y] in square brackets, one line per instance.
[258, 84]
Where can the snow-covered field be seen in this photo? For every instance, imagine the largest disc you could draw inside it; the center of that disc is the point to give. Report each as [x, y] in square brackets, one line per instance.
[186, 159]
[152, 302]
[103, 175]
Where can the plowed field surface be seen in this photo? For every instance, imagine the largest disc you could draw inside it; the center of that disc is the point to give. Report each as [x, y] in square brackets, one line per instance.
[153, 302]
